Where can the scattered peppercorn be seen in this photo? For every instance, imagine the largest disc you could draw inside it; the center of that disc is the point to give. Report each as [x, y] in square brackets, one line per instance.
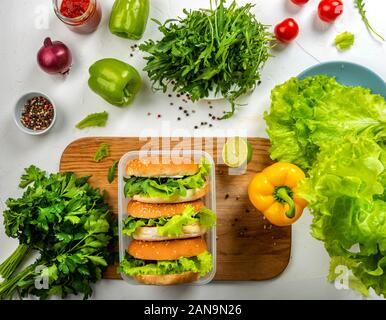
[259, 82]
[169, 95]
[210, 107]
[180, 108]
[171, 103]
[210, 114]
[178, 118]
[158, 116]
[236, 219]
[226, 196]
[148, 113]
[210, 125]
[37, 114]
[237, 198]
[178, 95]
[131, 55]
[213, 118]
[195, 127]
[246, 210]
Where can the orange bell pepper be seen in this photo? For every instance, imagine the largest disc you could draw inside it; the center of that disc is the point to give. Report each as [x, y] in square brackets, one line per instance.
[273, 193]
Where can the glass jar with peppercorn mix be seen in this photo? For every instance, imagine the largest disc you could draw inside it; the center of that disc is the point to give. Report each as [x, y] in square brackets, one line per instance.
[81, 16]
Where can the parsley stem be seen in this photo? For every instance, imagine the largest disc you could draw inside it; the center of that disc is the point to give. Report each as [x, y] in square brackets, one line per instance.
[8, 267]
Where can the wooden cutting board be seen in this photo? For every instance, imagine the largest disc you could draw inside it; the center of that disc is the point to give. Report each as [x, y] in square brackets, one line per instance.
[248, 246]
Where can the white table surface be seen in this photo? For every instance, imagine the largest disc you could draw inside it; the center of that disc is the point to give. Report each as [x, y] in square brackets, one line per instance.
[23, 26]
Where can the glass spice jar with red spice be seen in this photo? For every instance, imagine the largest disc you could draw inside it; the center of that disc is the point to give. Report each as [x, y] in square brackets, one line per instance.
[81, 16]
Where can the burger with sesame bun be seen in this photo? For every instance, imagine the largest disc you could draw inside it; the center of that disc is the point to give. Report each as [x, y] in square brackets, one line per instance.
[167, 262]
[156, 222]
[174, 180]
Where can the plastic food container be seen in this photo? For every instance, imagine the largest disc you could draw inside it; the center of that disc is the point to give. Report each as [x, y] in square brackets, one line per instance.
[209, 200]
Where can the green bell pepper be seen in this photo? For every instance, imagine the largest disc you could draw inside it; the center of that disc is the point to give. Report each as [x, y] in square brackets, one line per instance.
[128, 18]
[115, 81]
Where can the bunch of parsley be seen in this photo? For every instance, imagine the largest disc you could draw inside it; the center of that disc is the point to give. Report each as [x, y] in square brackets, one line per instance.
[68, 222]
[220, 50]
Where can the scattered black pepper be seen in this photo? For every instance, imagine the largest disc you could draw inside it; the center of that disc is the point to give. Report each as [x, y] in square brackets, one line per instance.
[226, 196]
[236, 219]
[135, 46]
[171, 103]
[210, 114]
[178, 118]
[37, 114]
[213, 118]
[158, 116]
[210, 107]
[193, 111]
[259, 82]
[210, 125]
[169, 95]
[195, 127]
[245, 229]
[173, 82]
[180, 108]
[178, 95]
[148, 113]
[246, 210]
[131, 55]
[237, 198]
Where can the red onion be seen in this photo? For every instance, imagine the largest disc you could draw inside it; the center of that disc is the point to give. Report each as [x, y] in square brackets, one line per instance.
[54, 57]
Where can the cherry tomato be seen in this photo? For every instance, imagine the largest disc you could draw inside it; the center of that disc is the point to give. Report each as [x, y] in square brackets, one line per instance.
[300, 2]
[287, 30]
[329, 10]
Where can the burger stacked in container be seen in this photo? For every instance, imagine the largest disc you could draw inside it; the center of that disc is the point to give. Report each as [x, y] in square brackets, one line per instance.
[167, 220]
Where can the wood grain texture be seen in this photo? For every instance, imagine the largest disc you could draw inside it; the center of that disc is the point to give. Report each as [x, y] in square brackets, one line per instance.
[248, 246]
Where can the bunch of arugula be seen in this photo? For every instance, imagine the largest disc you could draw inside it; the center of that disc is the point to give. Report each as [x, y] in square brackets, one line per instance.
[220, 50]
[68, 223]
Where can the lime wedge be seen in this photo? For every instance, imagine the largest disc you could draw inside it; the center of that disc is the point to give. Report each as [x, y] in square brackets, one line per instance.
[236, 152]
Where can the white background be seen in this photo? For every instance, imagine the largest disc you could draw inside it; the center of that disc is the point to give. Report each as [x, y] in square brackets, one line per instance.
[23, 26]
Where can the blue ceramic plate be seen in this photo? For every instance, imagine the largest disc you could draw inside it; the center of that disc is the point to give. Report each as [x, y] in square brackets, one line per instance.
[350, 74]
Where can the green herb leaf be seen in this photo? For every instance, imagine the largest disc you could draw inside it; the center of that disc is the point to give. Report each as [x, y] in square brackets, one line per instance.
[102, 152]
[94, 120]
[344, 40]
[360, 5]
[111, 172]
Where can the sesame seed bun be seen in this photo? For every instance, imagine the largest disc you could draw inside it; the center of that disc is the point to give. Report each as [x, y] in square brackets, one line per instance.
[169, 279]
[167, 250]
[151, 233]
[191, 195]
[155, 210]
[153, 167]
